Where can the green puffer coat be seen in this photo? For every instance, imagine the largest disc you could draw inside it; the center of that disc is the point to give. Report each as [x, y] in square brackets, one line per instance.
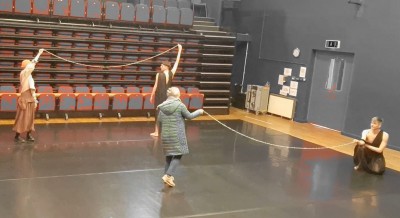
[171, 120]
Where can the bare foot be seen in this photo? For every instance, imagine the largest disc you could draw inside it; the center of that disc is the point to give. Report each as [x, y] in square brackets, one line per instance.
[154, 134]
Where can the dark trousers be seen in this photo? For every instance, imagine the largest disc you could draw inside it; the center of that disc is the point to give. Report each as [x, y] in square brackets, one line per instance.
[171, 163]
[368, 160]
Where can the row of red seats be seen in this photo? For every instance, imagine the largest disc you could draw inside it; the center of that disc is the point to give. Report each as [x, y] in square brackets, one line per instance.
[96, 9]
[96, 100]
[77, 55]
[90, 77]
[164, 3]
[22, 35]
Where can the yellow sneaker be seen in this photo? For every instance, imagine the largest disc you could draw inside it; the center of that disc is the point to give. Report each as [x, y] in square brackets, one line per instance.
[170, 181]
[165, 178]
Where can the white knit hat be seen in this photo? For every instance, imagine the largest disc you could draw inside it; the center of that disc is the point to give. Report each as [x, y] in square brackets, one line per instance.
[173, 92]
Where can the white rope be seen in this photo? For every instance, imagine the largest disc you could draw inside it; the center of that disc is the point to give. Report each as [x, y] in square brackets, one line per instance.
[239, 133]
[114, 66]
[276, 145]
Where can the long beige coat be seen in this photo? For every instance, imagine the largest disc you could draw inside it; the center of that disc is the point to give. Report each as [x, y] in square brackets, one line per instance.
[25, 117]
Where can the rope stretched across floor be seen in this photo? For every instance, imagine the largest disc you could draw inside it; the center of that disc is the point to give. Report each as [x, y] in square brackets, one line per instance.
[276, 145]
[239, 133]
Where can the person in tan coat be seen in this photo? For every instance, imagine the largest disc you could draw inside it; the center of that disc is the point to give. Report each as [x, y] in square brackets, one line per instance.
[27, 102]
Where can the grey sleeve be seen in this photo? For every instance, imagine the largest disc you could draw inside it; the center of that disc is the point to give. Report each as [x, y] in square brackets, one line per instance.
[187, 115]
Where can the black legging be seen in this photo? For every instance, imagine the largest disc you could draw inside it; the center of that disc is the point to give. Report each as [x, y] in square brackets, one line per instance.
[171, 163]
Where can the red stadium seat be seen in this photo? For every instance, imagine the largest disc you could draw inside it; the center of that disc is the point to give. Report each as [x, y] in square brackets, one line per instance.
[185, 98]
[193, 90]
[196, 101]
[120, 100]
[41, 7]
[101, 99]
[84, 102]
[112, 10]
[135, 98]
[127, 12]
[186, 17]
[94, 8]
[159, 14]
[22, 6]
[77, 8]
[173, 16]
[67, 99]
[159, 2]
[171, 3]
[6, 6]
[61, 8]
[8, 100]
[142, 13]
[182, 90]
[47, 100]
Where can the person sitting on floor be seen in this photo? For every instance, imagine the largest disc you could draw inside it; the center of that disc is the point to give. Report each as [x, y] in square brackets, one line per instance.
[368, 152]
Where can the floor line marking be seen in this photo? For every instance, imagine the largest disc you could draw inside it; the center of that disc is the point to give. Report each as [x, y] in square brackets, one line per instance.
[116, 141]
[258, 120]
[220, 213]
[83, 174]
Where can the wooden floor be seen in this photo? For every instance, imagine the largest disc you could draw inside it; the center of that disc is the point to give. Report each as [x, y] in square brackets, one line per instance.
[305, 131]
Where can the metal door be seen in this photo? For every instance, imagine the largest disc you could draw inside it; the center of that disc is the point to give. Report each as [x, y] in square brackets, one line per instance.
[330, 89]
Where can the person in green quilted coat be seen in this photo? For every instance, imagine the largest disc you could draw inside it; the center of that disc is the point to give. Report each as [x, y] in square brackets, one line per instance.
[171, 120]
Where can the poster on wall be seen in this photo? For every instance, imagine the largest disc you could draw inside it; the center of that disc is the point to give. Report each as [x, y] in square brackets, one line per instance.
[302, 73]
[294, 84]
[286, 89]
[287, 72]
[293, 92]
[280, 79]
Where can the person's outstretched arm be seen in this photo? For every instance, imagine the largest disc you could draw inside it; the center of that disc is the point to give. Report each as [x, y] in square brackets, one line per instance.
[28, 71]
[187, 115]
[36, 59]
[178, 58]
[31, 66]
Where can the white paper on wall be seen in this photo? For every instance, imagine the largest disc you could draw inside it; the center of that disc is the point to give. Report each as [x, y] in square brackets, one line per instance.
[280, 79]
[286, 89]
[294, 84]
[283, 92]
[293, 92]
[302, 73]
[287, 72]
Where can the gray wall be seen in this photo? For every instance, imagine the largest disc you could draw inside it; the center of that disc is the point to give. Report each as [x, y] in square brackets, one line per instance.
[372, 33]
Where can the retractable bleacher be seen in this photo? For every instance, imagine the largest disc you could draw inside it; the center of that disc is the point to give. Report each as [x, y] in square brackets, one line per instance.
[205, 62]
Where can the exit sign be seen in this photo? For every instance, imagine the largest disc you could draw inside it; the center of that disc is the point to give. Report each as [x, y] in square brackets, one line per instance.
[332, 44]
